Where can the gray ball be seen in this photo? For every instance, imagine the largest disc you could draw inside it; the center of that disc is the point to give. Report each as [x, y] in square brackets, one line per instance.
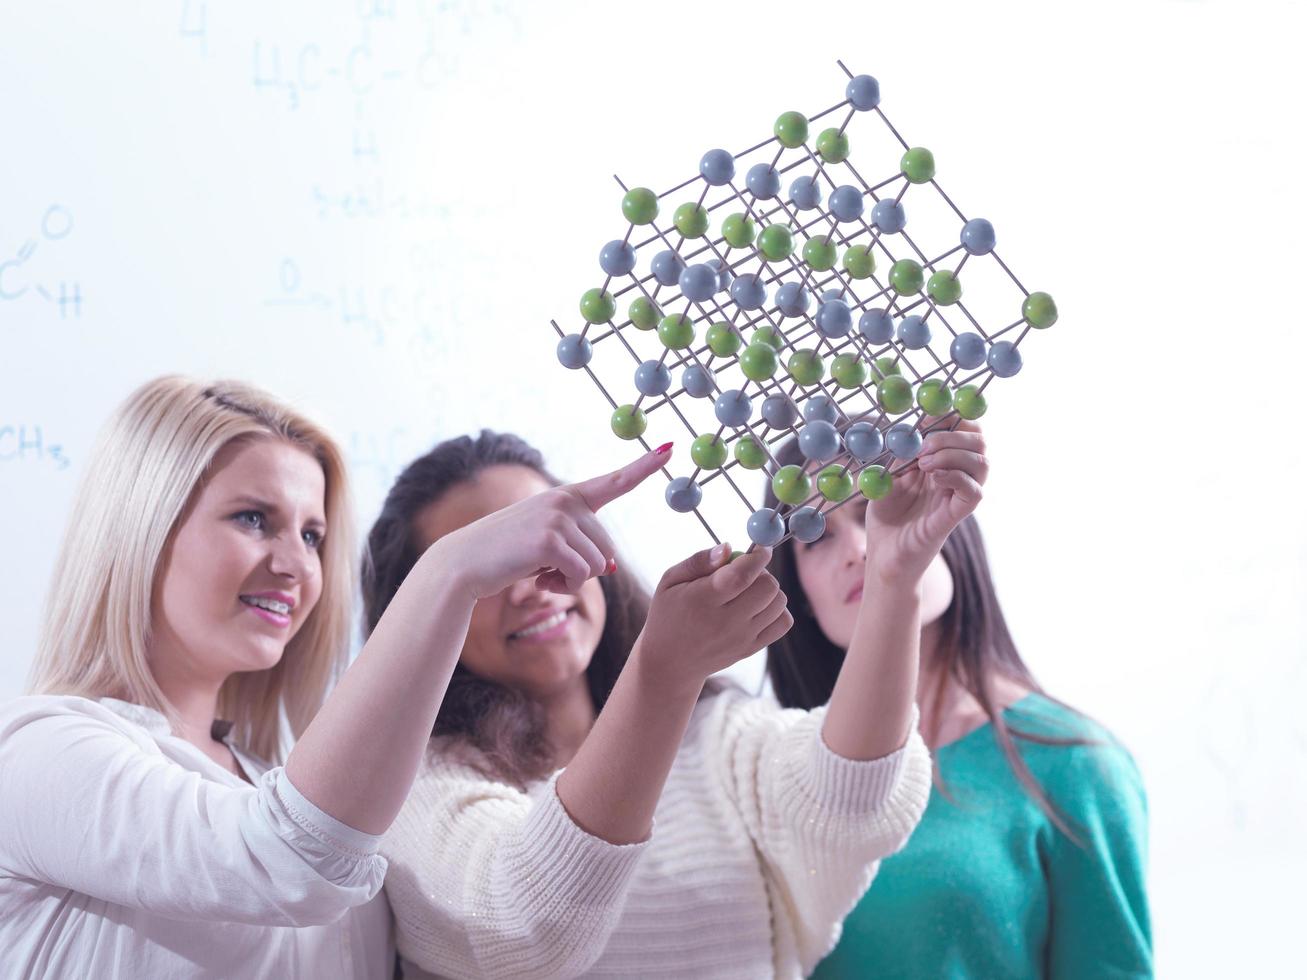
[888, 217]
[805, 194]
[617, 258]
[914, 332]
[574, 351]
[779, 412]
[904, 440]
[1004, 359]
[978, 236]
[697, 381]
[652, 379]
[834, 318]
[667, 267]
[748, 291]
[733, 408]
[877, 326]
[792, 299]
[765, 527]
[717, 167]
[820, 408]
[698, 282]
[683, 495]
[863, 92]
[846, 203]
[864, 441]
[818, 441]
[763, 181]
[724, 276]
[968, 350]
[807, 524]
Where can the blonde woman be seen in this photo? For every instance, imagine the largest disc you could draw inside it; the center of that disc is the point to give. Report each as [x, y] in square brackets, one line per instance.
[199, 611]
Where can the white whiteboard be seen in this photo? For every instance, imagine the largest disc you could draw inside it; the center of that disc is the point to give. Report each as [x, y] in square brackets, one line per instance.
[373, 208]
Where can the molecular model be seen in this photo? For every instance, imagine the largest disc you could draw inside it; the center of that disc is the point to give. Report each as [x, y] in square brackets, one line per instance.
[797, 302]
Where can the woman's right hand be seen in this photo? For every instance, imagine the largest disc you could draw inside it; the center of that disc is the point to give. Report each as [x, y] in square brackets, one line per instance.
[555, 535]
[709, 612]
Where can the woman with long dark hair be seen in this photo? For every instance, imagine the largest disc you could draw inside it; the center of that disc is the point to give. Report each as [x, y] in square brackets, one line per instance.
[1029, 861]
[593, 806]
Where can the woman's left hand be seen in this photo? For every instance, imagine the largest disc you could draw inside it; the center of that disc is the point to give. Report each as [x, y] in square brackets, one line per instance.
[907, 528]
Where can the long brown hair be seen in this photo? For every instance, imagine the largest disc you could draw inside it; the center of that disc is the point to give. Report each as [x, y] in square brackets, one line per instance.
[975, 644]
[503, 723]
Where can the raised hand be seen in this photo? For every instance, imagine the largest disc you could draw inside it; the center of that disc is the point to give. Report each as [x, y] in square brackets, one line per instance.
[707, 614]
[554, 535]
[906, 529]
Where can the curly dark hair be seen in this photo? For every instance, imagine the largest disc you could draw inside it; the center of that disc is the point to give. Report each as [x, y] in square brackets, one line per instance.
[503, 723]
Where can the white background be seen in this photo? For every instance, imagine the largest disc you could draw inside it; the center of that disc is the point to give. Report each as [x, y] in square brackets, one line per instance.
[374, 209]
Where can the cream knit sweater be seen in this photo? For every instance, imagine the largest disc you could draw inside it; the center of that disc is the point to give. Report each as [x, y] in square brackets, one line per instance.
[763, 840]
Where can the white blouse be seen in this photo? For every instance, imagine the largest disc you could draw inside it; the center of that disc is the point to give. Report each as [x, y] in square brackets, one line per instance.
[125, 851]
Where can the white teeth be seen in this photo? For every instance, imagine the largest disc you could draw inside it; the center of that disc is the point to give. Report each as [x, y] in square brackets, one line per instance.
[540, 627]
[272, 605]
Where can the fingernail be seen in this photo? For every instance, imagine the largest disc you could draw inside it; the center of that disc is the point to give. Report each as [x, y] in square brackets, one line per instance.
[663, 450]
[721, 551]
[611, 566]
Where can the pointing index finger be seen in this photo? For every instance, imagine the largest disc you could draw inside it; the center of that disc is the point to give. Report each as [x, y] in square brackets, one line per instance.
[601, 490]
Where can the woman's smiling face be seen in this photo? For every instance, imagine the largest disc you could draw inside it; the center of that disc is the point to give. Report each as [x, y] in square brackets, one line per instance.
[242, 570]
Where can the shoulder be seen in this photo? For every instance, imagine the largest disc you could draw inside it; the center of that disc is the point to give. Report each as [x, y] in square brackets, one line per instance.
[47, 715]
[1094, 773]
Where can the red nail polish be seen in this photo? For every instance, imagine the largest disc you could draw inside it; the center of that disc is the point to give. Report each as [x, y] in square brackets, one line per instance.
[611, 566]
[664, 449]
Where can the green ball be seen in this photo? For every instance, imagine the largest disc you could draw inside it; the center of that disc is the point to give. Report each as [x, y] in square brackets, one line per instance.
[791, 129]
[708, 452]
[776, 242]
[628, 422]
[883, 367]
[644, 313]
[848, 371]
[943, 287]
[739, 230]
[834, 483]
[832, 145]
[969, 402]
[918, 165]
[791, 485]
[640, 205]
[691, 219]
[934, 398]
[820, 253]
[906, 277]
[749, 454]
[806, 367]
[758, 362]
[598, 305]
[1039, 310]
[859, 262]
[676, 331]
[875, 482]
[766, 334]
[894, 394]
[723, 340]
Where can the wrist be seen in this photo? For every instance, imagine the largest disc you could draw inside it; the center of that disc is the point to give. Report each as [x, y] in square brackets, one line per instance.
[658, 673]
[447, 573]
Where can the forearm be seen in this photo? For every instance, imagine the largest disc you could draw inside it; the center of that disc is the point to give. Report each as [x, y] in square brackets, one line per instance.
[612, 785]
[871, 706]
[358, 758]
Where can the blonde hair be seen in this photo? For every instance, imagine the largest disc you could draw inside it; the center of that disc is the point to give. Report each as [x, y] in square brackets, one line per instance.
[148, 462]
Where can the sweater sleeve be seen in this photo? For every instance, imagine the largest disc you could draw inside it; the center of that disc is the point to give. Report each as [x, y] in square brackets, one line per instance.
[1099, 906]
[489, 881]
[91, 807]
[820, 822]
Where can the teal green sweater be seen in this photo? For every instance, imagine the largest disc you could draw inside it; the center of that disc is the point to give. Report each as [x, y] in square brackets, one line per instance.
[988, 887]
